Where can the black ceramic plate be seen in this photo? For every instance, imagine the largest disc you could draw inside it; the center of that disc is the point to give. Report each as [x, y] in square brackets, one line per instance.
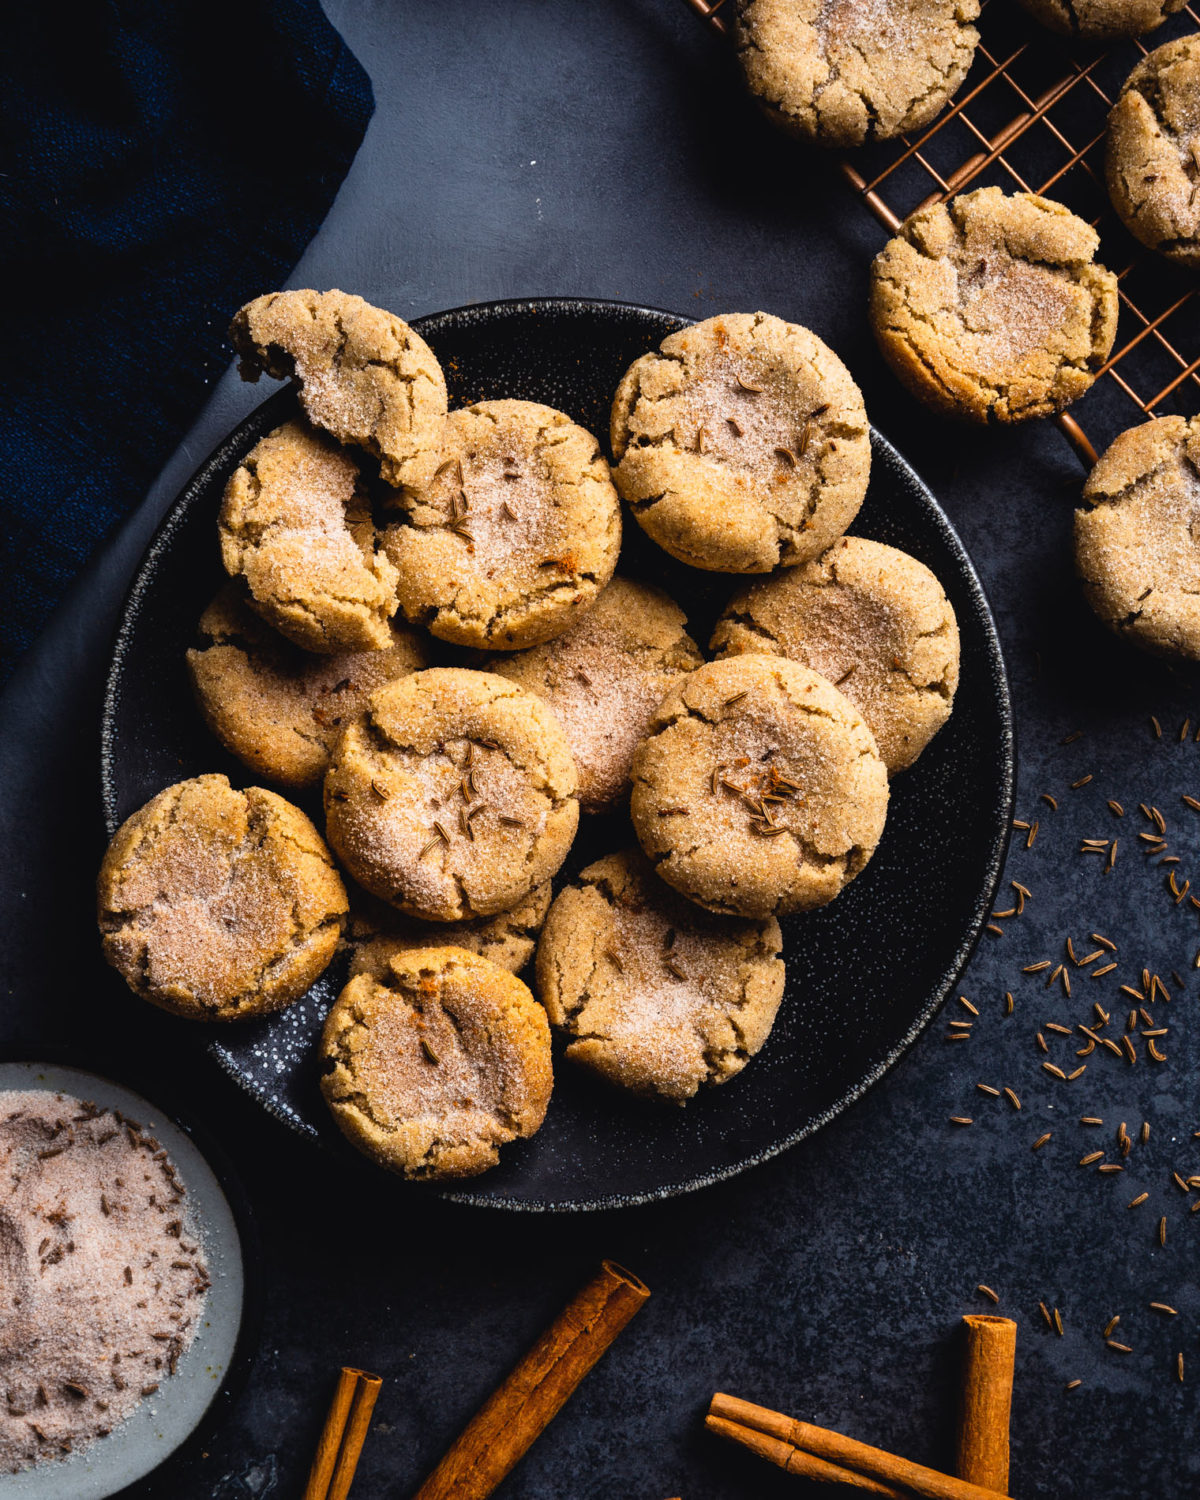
[864, 976]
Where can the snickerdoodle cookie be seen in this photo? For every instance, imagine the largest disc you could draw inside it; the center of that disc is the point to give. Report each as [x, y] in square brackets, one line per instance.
[219, 904]
[275, 707]
[742, 443]
[364, 375]
[871, 619]
[990, 308]
[452, 795]
[514, 536]
[434, 1068]
[1153, 156]
[297, 527]
[1137, 536]
[604, 678]
[759, 790]
[1102, 20]
[841, 72]
[652, 993]
[379, 932]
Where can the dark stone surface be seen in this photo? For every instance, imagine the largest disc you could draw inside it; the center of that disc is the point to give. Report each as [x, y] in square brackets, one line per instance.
[830, 1282]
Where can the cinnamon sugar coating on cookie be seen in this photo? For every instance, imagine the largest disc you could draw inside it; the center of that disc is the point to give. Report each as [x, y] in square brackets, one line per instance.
[741, 444]
[1102, 20]
[604, 678]
[515, 535]
[364, 376]
[1153, 151]
[841, 72]
[296, 526]
[1137, 537]
[651, 993]
[433, 1069]
[990, 307]
[872, 620]
[453, 795]
[758, 790]
[219, 904]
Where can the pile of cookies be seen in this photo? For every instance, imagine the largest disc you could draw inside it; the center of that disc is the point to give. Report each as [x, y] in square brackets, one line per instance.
[422, 620]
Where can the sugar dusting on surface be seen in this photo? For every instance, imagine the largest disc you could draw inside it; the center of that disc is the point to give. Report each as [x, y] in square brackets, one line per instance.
[102, 1280]
[874, 25]
[1010, 310]
[752, 430]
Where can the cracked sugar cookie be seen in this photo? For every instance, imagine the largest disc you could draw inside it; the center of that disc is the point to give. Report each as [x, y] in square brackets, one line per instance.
[516, 534]
[1137, 536]
[871, 619]
[219, 904]
[841, 72]
[1102, 20]
[432, 1069]
[453, 795]
[604, 678]
[379, 933]
[364, 376]
[296, 526]
[742, 443]
[759, 790]
[1153, 152]
[275, 707]
[651, 993]
[989, 307]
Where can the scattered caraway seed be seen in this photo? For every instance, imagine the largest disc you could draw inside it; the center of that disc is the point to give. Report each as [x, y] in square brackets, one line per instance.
[961, 1120]
[1104, 942]
[1057, 1072]
[1109, 1167]
[1012, 1098]
[1119, 1348]
[1092, 1156]
[1145, 1131]
[986, 1088]
[1032, 834]
[1072, 1385]
[1049, 800]
[1058, 1322]
[1179, 1365]
[1083, 781]
[1054, 1026]
[1192, 803]
[1073, 1075]
[1041, 1141]
[1107, 969]
[1164, 1307]
[1020, 823]
[1008, 1003]
[987, 1292]
[1116, 808]
[1036, 968]
[1090, 1120]
[964, 1001]
[1110, 1325]
[1046, 1315]
[1041, 1041]
[1156, 726]
[1136, 1202]
[1162, 1230]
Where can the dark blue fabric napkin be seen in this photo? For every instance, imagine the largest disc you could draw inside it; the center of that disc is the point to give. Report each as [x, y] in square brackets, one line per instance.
[163, 163]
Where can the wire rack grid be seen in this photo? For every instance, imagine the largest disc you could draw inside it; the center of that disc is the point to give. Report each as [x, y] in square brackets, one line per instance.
[1031, 116]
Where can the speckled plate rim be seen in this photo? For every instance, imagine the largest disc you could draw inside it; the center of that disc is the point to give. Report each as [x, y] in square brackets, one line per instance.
[54, 1067]
[281, 404]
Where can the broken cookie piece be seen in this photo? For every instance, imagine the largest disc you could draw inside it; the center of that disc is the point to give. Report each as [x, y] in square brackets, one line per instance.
[364, 376]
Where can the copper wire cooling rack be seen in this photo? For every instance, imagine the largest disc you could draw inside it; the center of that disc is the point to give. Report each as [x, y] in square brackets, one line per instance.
[1031, 116]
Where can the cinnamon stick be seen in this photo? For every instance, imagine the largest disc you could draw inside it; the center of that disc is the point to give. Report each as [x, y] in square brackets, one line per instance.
[795, 1461]
[510, 1420]
[844, 1452]
[991, 1345]
[340, 1444]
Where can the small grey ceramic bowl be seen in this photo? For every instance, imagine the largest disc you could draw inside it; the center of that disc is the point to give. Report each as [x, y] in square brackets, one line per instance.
[162, 1423]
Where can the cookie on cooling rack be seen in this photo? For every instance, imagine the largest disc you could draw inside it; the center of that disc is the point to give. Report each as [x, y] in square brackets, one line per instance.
[991, 308]
[841, 72]
[1102, 20]
[1153, 151]
[1137, 536]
